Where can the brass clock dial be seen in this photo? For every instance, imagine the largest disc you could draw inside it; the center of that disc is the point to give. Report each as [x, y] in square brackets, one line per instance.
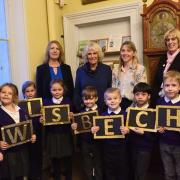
[160, 24]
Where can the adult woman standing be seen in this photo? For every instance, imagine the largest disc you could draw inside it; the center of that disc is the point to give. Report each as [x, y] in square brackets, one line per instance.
[169, 61]
[53, 68]
[92, 73]
[128, 74]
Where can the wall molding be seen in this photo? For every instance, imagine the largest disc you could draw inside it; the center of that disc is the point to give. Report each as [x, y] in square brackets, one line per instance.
[72, 23]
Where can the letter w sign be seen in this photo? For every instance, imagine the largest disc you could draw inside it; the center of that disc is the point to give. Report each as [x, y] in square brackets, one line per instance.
[16, 134]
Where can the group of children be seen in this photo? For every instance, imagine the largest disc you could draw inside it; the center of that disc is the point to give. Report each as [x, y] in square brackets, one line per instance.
[107, 159]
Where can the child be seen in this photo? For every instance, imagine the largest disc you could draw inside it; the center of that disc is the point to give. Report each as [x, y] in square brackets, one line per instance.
[141, 142]
[15, 162]
[170, 140]
[59, 142]
[128, 74]
[35, 150]
[114, 150]
[90, 149]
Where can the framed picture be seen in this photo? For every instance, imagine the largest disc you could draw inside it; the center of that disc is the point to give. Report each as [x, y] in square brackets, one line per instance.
[90, 1]
[103, 43]
[126, 38]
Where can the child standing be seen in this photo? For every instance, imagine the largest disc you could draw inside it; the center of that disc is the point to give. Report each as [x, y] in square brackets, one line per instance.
[114, 150]
[169, 141]
[59, 142]
[142, 142]
[90, 148]
[35, 150]
[15, 162]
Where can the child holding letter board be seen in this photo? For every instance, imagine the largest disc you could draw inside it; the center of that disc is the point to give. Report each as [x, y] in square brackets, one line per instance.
[90, 148]
[169, 141]
[142, 142]
[15, 163]
[59, 141]
[114, 150]
[35, 149]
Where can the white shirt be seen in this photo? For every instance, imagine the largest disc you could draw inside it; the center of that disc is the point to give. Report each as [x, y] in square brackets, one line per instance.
[175, 100]
[57, 101]
[14, 115]
[117, 111]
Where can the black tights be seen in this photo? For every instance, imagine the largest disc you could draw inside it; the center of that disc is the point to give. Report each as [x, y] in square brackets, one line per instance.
[62, 166]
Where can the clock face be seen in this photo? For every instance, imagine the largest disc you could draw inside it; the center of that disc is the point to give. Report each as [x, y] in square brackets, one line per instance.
[160, 24]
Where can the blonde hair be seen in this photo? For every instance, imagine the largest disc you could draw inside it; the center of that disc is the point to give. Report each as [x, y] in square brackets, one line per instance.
[172, 74]
[131, 46]
[174, 33]
[93, 46]
[47, 57]
[14, 90]
[111, 90]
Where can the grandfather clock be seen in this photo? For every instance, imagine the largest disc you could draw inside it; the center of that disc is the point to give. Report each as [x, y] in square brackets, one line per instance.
[157, 18]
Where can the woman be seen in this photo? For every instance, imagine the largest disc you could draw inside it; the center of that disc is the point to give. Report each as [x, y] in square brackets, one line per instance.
[128, 74]
[92, 73]
[53, 68]
[169, 61]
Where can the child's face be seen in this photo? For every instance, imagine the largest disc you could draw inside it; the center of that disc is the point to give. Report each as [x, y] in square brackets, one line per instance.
[90, 102]
[6, 95]
[171, 88]
[30, 92]
[57, 90]
[113, 100]
[141, 98]
[126, 54]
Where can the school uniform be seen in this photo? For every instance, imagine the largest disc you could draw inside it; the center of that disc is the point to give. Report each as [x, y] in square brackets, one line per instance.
[59, 143]
[35, 151]
[91, 153]
[169, 142]
[115, 154]
[141, 151]
[15, 163]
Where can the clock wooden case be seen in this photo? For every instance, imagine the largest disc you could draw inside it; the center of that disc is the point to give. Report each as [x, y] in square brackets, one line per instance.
[157, 18]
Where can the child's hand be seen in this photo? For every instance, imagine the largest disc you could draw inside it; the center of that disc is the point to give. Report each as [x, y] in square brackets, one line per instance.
[3, 145]
[1, 157]
[33, 138]
[71, 115]
[138, 130]
[95, 129]
[41, 120]
[124, 130]
[161, 129]
[74, 126]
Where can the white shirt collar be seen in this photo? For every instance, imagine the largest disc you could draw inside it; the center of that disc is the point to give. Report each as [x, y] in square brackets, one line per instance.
[145, 106]
[175, 100]
[92, 108]
[117, 111]
[57, 101]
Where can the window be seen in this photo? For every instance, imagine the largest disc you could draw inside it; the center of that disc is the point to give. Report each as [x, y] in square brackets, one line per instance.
[4, 47]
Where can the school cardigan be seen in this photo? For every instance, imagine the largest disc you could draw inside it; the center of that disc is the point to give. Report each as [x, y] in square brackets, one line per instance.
[16, 159]
[115, 143]
[43, 79]
[144, 141]
[169, 137]
[101, 79]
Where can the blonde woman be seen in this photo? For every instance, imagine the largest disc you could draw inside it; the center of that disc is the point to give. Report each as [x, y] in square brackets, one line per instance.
[92, 73]
[128, 74]
[169, 61]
